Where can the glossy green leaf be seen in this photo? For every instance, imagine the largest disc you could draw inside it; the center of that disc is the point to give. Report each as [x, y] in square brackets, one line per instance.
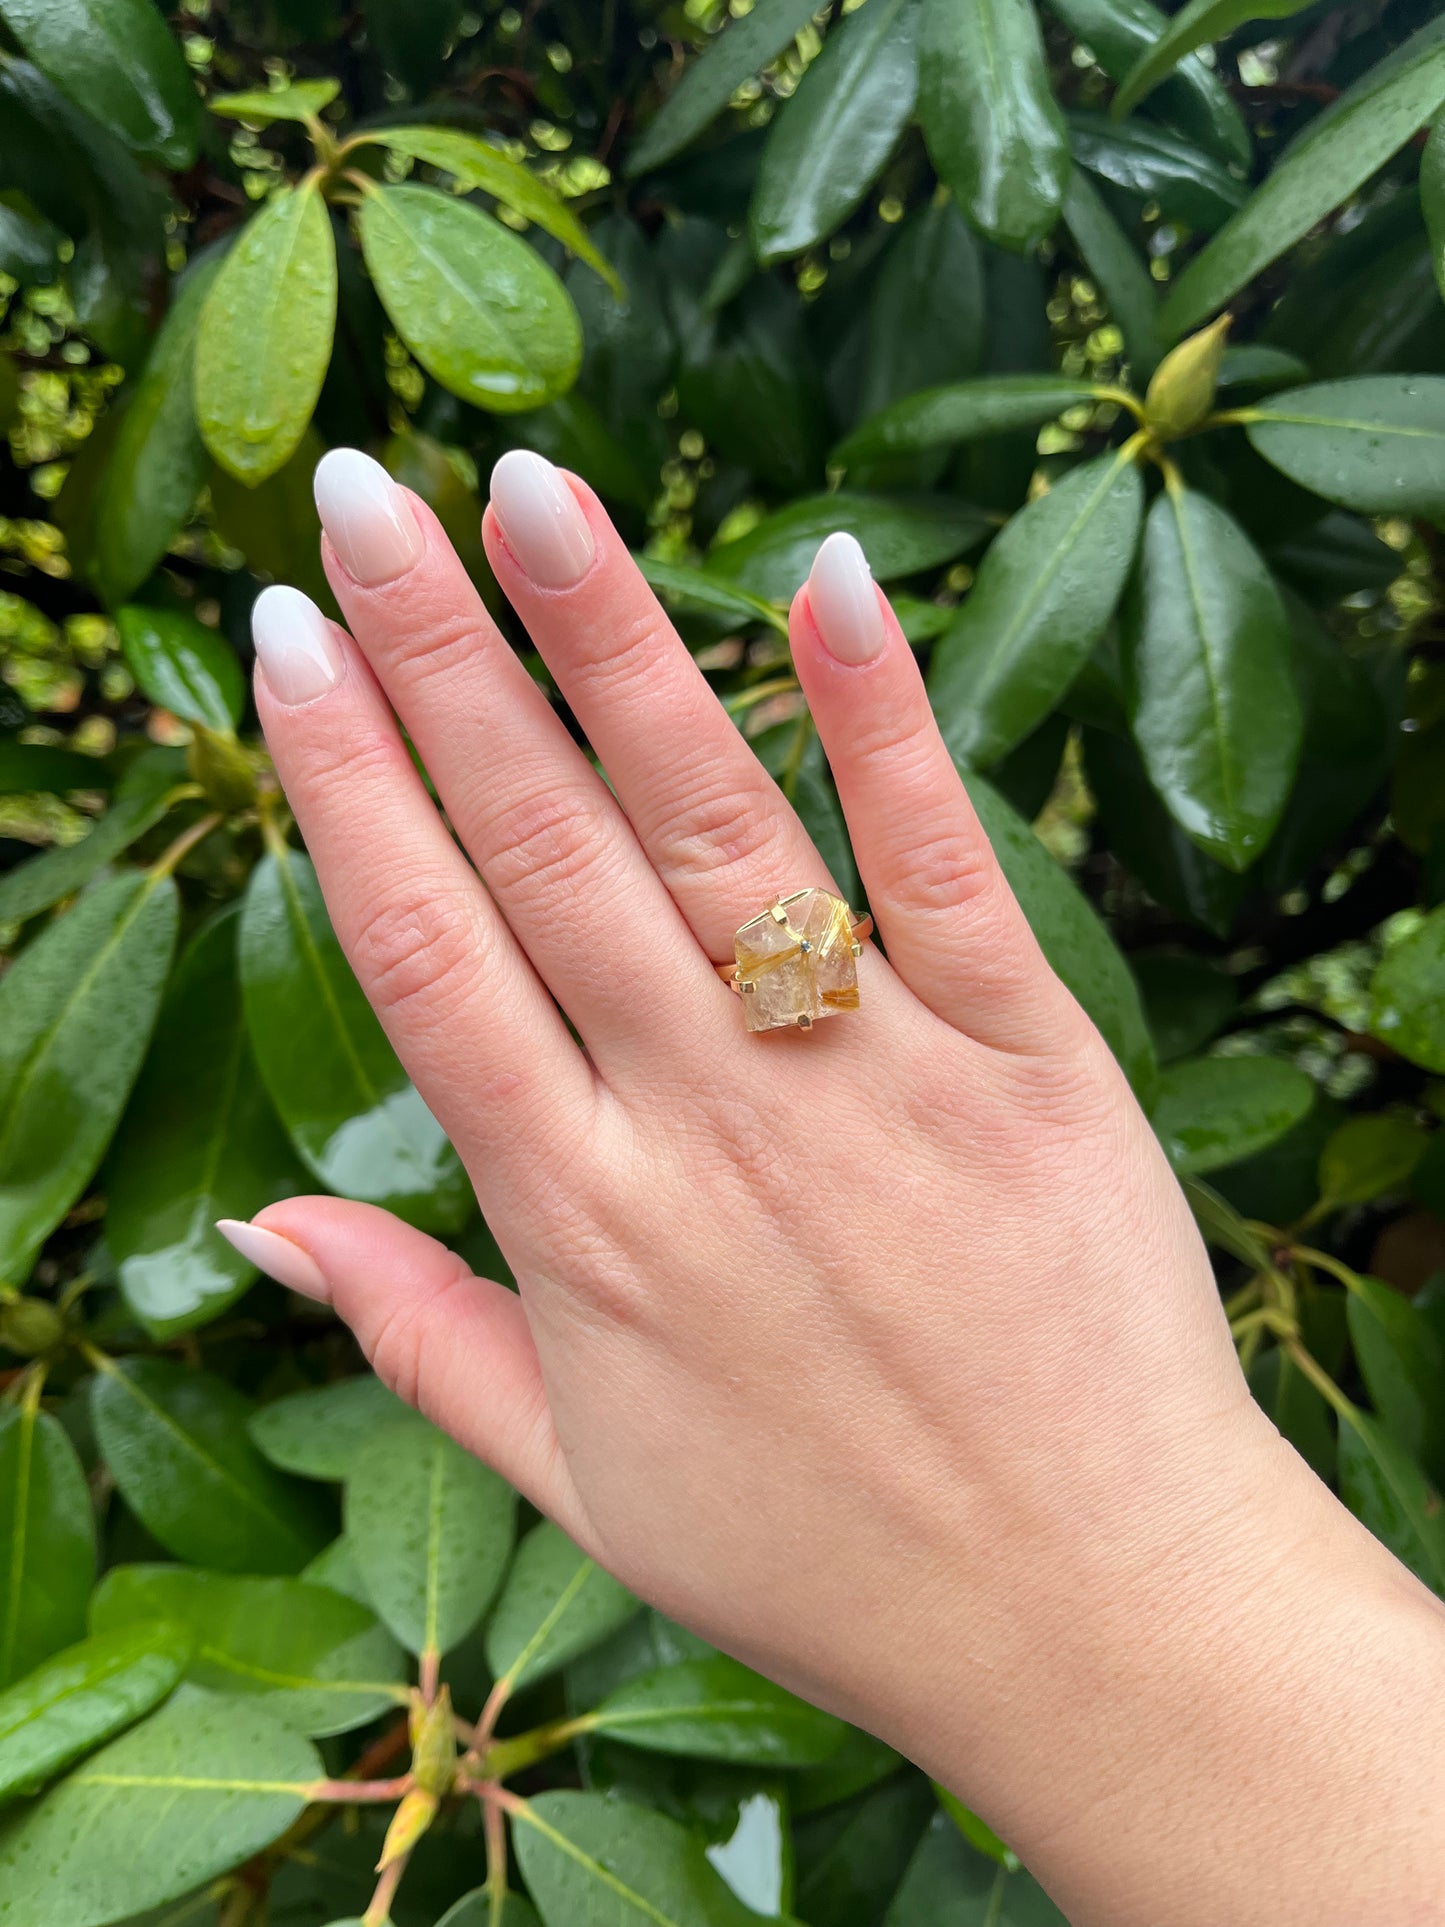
[335, 1567]
[477, 1909]
[716, 1709]
[141, 799]
[1386, 1490]
[1432, 196]
[1370, 1157]
[1122, 277]
[1215, 1110]
[48, 1531]
[1208, 678]
[709, 82]
[993, 130]
[851, 1860]
[157, 467]
[1254, 364]
[556, 1604]
[1042, 597]
[265, 335]
[978, 1833]
[477, 164]
[827, 145]
[478, 307]
[1297, 1408]
[1195, 25]
[180, 664]
[76, 1010]
[860, 1762]
[1187, 999]
[117, 60]
[676, 583]
[275, 524]
[300, 100]
[1376, 444]
[176, 1442]
[594, 1862]
[431, 1530]
[204, 1783]
[83, 1696]
[1078, 947]
[960, 411]
[1401, 1355]
[1407, 994]
[1220, 1225]
[199, 1142]
[1322, 168]
[951, 1882]
[352, 1113]
[1157, 164]
[44, 766]
[900, 535]
[319, 1662]
[318, 1434]
[925, 325]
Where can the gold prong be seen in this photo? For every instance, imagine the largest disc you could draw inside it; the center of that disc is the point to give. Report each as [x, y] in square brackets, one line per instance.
[857, 950]
[805, 1022]
[777, 912]
[745, 984]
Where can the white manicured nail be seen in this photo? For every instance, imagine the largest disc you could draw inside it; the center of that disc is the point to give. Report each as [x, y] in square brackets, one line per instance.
[541, 519]
[844, 601]
[295, 644]
[367, 518]
[278, 1257]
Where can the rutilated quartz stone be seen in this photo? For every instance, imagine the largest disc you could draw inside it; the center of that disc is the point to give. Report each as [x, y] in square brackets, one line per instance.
[796, 962]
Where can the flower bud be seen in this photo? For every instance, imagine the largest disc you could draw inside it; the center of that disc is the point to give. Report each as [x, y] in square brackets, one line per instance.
[1182, 391]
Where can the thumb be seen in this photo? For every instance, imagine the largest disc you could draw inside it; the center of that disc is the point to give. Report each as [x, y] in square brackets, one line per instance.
[456, 1346]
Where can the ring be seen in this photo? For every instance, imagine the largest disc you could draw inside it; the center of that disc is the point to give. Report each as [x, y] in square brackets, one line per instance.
[797, 961]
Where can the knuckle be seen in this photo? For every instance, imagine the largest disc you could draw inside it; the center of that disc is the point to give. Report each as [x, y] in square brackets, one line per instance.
[627, 650]
[436, 643]
[338, 768]
[419, 952]
[545, 844]
[943, 870]
[723, 823]
[397, 1346]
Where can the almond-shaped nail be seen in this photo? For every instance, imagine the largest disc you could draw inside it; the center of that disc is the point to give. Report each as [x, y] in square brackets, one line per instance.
[844, 601]
[367, 518]
[296, 646]
[278, 1257]
[541, 519]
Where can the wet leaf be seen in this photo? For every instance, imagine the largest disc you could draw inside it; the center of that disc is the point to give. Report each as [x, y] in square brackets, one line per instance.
[319, 1433]
[900, 536]
[1407, 994]
[182, 665]
[1376, 445]
[117, 60]
[556, 1604]
[1212, 1111]
[83, 1696]
[716, 1709]
[48, 1531]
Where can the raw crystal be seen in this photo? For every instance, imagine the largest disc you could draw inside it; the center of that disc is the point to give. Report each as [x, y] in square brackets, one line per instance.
[796, 962]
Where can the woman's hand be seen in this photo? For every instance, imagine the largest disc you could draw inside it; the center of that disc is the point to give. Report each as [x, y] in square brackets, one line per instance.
[888, 1356]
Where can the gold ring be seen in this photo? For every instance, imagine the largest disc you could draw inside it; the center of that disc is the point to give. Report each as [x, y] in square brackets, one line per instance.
[797, 961]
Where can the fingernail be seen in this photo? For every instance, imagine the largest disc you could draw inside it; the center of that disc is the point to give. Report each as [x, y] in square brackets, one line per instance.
[278, 1257]
[541, 519]
[296, 645]
[366, 517]
[844, 601]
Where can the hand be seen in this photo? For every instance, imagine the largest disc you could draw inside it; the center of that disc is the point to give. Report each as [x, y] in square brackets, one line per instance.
[888, 1356]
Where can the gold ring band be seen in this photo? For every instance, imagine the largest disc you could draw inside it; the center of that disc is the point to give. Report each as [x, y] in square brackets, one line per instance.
[797, 961]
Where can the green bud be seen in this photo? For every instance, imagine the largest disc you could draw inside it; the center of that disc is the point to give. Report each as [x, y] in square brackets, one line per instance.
[434, 1745]
[30, 1326]
[413, 1816]
[1182, 391]
[224, 768]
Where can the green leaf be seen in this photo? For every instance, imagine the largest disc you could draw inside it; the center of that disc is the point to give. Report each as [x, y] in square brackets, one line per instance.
[117, 60]
[850, 1861]
[1214, 1110]
[673, 581]
[301, 100]
[1376, 445]
[951, 1882]
[76, 1010]
[1156, 164]
[1401, 1356]
[157, 467]
[925, 324]
[1208, 678]
[1407, 994]
[901, 535]
[140, 801]
[1195, 25]
[993, 130]
[1297, 1408]
[182, 665]
[275, 525]
[976, 1832]
[961, 411]
[431, 1529]
[1330, 160]
[413, 38]
[1432, 196]
[478, 307]
[48, 1531]
[82, 1696]
[175, 1441]
[197, 1788]
[1220, 1225]
[1041, 600]
[556, 1604]
[709, 82]
[716, 1709]
[1187, 998]
[28, 767]
[199, 1142]
[319, 1662]
[476, 1909]
[318, 1434]
[1387, 1491]
[477, 164]
[335, 1080]
[265, 334]
[594, 1862]
[1370, 1157]
[827, 145]
[1077, 946]
[1114, 263]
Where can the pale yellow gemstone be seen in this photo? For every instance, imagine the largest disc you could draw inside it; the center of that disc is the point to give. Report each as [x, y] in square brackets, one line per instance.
[799, 967]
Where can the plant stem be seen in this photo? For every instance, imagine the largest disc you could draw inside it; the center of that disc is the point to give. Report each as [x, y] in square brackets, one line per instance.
[1123, 399]
[359, 1792]
[184, 844]
[797, 749]
[1322, 1261]
[495, 1828]
[378, 1914]
[1320, 1379]
[507, 1757]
